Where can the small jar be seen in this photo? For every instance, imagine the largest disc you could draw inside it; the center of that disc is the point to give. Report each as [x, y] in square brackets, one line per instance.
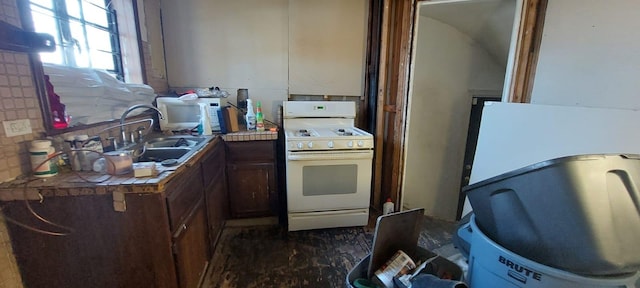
[85, 163]
[39, 154]
[72, 154]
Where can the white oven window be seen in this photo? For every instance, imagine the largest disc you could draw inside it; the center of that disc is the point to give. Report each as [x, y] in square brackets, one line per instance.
[329, 180]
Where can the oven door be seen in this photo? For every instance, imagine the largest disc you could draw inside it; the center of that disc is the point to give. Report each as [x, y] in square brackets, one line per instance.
[328, 180]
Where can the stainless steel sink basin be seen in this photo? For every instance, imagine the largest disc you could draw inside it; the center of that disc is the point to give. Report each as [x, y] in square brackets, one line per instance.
[175, 141]
[161, 154]
[179, 147]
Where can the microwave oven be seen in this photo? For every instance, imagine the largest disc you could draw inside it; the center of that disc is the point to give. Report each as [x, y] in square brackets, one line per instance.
[181, 115]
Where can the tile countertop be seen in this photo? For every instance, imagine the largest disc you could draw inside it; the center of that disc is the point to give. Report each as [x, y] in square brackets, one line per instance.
[251, 135]
[70, 183]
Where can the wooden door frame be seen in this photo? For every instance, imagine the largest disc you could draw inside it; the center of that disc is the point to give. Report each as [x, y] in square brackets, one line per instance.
[396, 41]
[527, 47]
[398, 22]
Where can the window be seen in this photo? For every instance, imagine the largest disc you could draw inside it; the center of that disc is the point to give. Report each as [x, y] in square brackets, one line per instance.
[86, 33]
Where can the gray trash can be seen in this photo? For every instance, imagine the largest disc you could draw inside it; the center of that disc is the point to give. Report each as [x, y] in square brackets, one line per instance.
[580, 214]
[444, 267]
[400, 231]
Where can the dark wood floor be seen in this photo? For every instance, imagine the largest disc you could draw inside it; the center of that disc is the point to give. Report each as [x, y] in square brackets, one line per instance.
[269, 256]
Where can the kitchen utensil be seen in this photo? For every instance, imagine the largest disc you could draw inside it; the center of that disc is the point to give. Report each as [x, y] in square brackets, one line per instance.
[243, 95]
[119, 162]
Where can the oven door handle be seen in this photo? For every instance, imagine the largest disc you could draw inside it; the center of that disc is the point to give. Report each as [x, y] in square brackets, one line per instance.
[351, 155]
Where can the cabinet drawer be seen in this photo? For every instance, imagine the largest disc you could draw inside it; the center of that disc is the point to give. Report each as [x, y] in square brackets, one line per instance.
[254, 151]
[182, 194]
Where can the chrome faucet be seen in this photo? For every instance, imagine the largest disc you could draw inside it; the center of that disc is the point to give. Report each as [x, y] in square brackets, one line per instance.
[124, 116]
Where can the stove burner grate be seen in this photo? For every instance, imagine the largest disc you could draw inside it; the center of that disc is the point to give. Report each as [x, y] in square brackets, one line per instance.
[304, 133]
[344, 132]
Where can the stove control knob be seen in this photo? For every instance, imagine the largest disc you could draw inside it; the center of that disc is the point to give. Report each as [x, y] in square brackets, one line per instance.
[350, 144]
[360, 143]
[310, 145]
[299, 145]
[330, 144]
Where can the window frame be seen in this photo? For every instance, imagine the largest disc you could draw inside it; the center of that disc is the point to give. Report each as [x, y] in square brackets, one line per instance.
[65, 40]
[24, 10]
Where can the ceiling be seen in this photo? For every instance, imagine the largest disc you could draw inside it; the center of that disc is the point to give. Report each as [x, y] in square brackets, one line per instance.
[488, 22]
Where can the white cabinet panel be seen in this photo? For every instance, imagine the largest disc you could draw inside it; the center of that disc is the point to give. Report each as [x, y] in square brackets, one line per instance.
[239, 43]
[327, 41]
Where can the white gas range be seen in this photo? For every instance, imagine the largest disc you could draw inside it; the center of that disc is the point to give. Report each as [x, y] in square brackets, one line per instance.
[328, 163]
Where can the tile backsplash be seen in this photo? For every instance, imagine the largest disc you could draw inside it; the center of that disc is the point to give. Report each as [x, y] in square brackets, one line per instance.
[18, 100]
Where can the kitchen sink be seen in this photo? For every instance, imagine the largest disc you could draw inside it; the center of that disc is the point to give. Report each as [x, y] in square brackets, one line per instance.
[175, 141]
[161, 154]
[179, 147]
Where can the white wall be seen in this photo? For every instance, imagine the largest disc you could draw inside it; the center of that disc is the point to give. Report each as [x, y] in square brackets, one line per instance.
[230, 44]
[447, 65]
[590, 54]
[327, 47]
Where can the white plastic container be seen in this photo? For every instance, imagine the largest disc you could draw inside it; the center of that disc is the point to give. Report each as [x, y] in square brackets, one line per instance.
[251, 116]
[387, 207]
[92, 148]
[85, 164]
[491, 265]
[39, 151]
[74, 157]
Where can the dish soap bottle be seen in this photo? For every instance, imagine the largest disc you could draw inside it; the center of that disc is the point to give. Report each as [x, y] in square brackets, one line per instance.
[259, 117]
[250, 117]
[205, 120]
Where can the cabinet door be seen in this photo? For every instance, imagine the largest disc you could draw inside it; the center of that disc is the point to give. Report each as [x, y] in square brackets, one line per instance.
[252, 189]
[327, 42]
[215, 181]
[108, 249]
[191, 247]
[217, 208]
[183, 193]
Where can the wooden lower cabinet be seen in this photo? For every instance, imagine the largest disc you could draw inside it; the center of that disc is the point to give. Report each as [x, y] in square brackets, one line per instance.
[162, 240]
[105, 249]
[251, 189]
[191, 247]
[252, 180]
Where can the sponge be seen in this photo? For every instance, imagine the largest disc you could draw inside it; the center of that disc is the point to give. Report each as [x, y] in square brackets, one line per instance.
[144, 169]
